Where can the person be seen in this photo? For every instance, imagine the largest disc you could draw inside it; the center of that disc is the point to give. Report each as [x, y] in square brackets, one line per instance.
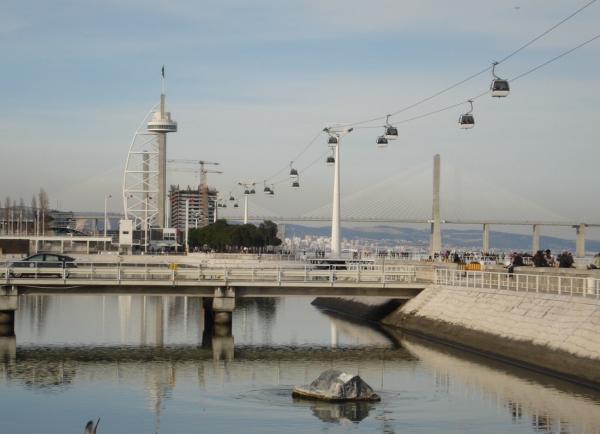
[563, 260]
[595, 264]
[517, 261]
[456, 258]
[539, 260]
[549, 258]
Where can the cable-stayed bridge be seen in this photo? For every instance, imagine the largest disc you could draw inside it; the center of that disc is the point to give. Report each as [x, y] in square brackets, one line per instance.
[408, 197]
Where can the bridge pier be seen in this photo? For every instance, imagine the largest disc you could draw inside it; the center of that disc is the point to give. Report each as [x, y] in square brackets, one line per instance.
[8, 307]
[580, 241]
[223, 305]
[486, 238]
[217, 333]
[535, 244]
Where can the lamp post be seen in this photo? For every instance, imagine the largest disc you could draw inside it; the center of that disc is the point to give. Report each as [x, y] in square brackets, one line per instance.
[337, 133]
[105, 217]
[187, 220]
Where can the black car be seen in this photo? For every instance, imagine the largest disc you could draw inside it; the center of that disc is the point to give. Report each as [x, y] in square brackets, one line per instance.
[42, 260]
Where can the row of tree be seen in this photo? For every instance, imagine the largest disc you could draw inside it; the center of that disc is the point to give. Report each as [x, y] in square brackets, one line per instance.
[222, 234]
[40, 204]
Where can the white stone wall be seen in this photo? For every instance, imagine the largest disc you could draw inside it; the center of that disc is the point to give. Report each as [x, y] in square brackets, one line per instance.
[570, 324]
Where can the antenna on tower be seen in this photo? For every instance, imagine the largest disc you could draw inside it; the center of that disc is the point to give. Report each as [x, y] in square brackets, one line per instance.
[163, 78]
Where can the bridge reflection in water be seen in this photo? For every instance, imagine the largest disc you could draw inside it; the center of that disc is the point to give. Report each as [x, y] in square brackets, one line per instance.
[162, 343]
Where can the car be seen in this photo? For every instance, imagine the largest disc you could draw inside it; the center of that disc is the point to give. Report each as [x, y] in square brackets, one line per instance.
[42, 260]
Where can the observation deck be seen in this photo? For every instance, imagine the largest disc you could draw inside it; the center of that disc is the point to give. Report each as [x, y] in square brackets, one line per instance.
[162, 125]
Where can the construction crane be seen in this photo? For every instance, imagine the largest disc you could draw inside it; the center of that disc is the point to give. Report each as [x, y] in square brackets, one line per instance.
[203, 182]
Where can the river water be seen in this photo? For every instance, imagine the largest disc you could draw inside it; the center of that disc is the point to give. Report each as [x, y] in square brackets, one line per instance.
[147, 365]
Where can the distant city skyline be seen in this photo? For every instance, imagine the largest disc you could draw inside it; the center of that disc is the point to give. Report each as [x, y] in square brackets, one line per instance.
[251, 85]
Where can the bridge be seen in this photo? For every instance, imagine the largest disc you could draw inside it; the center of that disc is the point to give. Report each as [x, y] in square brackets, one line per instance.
[435, 194]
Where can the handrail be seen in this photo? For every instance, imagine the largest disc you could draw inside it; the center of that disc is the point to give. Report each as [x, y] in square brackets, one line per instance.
[118, 272]
[539, 283]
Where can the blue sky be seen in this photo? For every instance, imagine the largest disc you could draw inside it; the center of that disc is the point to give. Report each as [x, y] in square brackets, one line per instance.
[252, 83]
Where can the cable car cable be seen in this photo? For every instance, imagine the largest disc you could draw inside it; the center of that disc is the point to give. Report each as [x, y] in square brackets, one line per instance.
[479, 73]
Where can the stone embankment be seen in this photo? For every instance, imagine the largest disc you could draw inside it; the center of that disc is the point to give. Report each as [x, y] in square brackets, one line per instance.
[555, 333]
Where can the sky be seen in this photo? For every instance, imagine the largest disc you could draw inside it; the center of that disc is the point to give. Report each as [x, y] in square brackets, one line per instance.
[251, 84]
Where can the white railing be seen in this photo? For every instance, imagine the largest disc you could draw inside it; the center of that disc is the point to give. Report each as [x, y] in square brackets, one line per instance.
[118, 272]
[550, 284]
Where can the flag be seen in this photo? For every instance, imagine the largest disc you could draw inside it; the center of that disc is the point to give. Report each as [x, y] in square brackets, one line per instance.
[163, 71]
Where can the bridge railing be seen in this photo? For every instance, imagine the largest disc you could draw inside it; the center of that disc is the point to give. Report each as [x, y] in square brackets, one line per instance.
[221, 274]
[550, 284]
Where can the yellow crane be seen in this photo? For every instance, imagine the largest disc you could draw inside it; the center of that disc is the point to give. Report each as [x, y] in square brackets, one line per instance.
[203, 183]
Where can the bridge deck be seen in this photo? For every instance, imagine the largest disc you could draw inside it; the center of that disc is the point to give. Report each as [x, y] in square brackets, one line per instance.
[121, 278]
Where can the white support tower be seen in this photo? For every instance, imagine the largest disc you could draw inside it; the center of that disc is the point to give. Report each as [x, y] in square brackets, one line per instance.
[337, 131]
[145, 180]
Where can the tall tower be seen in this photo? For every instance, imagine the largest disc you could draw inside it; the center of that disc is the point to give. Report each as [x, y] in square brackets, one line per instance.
[162, 124]
[435, 240]
[144, 181]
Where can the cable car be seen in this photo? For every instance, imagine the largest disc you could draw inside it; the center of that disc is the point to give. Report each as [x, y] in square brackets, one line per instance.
[330, 161]
[271, 192]
[467, 121]
[499, 87]
[235, 205]
[382, 142]
[391, 133]
[246, 192]
[253, 191]
[293, 172]
[333, 141]
[295, 185]
[231, 198]
[224, 205]
[267, 190]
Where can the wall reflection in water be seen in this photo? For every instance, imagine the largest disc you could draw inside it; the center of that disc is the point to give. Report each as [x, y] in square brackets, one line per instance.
[165, 353]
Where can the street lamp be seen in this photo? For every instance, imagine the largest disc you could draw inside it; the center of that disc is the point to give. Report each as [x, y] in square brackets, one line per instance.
[105, 217]
[335, 135]
[187, 221]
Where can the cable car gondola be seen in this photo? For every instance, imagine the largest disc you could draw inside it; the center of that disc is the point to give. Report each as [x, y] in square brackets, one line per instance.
[391, 133]
[246, 192]
[253, 191]
[330, 161]
[266, 190]
[293, 172]
[467, 121]
[272, 191]
[382, 142]
[333, 141]
[235, 205]
[499, 87]
[231, 198]
[295, 185]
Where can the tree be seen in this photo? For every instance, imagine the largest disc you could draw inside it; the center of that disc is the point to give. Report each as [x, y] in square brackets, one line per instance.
[44, 203]
[33, 212]
[268, 233]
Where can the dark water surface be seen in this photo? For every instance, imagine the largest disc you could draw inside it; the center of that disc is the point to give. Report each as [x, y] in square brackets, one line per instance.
[147, 365]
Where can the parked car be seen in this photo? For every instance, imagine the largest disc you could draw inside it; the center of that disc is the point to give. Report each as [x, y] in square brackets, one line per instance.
[42, 260]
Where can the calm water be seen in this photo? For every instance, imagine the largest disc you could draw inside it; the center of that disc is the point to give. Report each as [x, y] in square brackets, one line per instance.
[146, 365]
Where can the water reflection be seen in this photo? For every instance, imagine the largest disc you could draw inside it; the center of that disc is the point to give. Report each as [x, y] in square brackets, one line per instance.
[338, 412]
[164, 360]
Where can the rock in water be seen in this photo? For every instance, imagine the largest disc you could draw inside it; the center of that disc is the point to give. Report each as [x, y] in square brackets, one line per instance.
[335, 385]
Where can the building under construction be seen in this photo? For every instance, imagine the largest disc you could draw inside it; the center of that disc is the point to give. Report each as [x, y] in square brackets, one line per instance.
[199, 214]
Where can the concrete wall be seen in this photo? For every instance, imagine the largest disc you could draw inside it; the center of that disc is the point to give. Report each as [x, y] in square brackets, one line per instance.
[554, 332]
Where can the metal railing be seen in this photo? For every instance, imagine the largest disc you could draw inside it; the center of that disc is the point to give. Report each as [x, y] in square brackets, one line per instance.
[118, 272]
[550, 284]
